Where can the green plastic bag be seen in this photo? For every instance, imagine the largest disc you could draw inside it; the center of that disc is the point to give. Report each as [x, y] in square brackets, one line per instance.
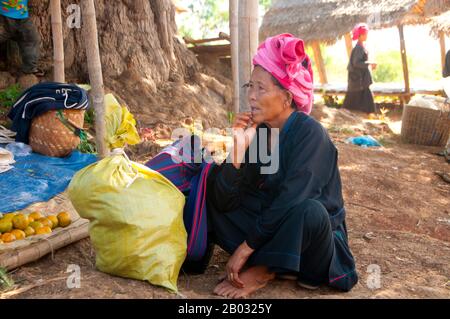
[136, 215]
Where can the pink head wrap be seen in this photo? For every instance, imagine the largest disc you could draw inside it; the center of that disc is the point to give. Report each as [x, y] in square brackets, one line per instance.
[359, 29]
[284, 57]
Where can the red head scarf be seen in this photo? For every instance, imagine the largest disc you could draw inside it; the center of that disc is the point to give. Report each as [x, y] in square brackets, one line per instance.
[359, 29]
[285, 58]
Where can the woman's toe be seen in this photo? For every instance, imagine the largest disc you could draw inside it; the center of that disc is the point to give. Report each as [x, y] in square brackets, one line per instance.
[230, 292]
[219, 287]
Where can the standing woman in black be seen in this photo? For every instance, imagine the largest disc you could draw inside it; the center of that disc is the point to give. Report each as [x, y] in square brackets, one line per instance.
[359, 96]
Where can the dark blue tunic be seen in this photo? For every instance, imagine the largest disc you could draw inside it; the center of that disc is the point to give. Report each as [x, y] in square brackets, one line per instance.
[281, 215]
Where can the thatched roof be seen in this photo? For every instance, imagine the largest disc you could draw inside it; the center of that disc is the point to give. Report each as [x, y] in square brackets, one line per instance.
[441, 24]
[328, 20]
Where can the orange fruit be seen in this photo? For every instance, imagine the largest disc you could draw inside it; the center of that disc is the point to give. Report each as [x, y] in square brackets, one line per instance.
[36, 225]
[8, 217]
[29, 231]
[20, 221]
[8, 238]
[46, 222]
[5, 225]
[64, 219]
[43, 230]
[19, 234]
[30, 219]
[54, 220]
[36, 215]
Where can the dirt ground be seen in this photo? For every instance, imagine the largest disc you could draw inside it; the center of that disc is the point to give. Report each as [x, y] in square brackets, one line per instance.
[398, 217]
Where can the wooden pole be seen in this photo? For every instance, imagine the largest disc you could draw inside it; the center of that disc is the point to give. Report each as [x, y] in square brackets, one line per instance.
[404, 60]
[319, 62]
[248, 44]
[348, 44]
[58, 43]
[234, 38]
[442, 45]
[95, 73]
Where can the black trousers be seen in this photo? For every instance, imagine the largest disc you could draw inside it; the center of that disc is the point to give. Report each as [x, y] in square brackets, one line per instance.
[302, 245]
[24, 32]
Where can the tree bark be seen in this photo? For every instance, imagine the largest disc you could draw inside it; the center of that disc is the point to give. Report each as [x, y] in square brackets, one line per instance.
[137, 35]
[234, 37]
[248, 44]
[58, 45]
[143, 62]
[95, 74]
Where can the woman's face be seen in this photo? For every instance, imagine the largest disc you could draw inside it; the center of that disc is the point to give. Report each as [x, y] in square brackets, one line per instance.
[363, 37]
[267, 101]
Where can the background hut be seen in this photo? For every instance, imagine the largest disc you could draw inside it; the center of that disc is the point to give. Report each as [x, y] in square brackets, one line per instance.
[440, 27]
[441, 24]
[326, 21]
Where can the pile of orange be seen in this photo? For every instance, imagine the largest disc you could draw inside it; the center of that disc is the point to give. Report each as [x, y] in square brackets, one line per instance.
[18, 226]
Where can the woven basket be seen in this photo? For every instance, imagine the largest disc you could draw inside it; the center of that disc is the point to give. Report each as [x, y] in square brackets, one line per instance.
[425, 126]
[50, 137]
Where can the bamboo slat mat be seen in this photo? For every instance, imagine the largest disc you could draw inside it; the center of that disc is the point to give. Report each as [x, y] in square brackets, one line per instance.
[20, 252]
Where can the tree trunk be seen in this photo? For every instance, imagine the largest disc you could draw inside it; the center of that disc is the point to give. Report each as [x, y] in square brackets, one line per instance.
[133, 34]
[248, 45]
[90, 36]
[144, 63]
[58, 46]
[234, 38]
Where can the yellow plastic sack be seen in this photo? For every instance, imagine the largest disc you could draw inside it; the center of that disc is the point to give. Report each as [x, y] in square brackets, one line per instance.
[120, 124]
[136, 214]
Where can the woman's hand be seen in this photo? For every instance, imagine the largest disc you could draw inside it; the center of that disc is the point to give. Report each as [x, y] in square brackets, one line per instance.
[242, 121]
[244, 130]
[374, 66]
[236, 262]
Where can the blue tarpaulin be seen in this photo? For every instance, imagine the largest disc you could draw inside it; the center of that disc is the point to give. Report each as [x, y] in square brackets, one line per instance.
[37, 178]
[364, 141]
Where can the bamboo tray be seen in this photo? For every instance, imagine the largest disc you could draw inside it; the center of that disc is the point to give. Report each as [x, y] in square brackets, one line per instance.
[32, 248]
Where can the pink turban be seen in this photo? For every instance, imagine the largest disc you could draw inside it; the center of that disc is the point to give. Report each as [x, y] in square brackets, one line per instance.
[284, 57]
[359, 29]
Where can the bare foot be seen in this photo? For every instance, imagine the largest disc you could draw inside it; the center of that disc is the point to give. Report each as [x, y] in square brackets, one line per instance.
[254, 279]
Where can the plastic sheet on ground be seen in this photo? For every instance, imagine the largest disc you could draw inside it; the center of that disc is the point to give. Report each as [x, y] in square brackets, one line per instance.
[37, 178]
[364, 141]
